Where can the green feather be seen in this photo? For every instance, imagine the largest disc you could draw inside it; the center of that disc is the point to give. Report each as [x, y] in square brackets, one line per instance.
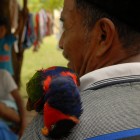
[34, 87]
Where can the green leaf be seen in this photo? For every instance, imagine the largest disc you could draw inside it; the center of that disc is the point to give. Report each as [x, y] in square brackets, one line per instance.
[50, 5]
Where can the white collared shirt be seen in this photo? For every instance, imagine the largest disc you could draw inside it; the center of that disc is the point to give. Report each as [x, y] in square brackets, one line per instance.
[115, 71]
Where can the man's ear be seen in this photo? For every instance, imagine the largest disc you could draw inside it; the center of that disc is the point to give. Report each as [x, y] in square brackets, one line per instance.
[106, 35]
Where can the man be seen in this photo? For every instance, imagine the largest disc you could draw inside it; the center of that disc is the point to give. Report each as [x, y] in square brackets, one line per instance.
[101, 41]
[11, 105]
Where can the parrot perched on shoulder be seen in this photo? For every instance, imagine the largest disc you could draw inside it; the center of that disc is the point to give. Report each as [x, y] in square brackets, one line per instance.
[54, 91]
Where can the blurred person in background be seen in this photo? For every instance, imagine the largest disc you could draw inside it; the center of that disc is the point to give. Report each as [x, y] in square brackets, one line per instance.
[7, 114]
[12, 111]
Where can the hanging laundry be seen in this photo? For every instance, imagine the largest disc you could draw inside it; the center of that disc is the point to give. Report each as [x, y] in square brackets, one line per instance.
[30, 35]
[43, 22]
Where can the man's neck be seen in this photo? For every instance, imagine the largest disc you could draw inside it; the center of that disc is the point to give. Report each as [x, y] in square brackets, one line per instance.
[135, 58]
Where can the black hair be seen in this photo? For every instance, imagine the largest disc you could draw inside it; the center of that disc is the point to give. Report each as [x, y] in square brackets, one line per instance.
[4, 22]
[91, 14]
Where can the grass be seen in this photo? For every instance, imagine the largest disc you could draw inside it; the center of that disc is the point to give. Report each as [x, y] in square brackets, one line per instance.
[47, 55]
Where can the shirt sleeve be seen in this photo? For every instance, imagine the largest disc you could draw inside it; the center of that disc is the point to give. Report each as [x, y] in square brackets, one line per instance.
[9, 82]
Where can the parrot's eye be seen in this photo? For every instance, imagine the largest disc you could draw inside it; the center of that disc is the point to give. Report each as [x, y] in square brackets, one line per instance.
[52, 127]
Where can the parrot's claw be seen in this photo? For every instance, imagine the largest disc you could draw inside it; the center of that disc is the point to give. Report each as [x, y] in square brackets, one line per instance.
[45, 131]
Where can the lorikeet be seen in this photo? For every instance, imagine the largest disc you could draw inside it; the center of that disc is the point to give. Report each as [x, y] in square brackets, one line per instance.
[54, 91]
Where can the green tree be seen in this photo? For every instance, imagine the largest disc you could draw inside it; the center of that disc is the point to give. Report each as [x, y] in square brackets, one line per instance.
[36, 5]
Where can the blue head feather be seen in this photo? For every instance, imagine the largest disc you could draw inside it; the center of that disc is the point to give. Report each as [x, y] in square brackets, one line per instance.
[64, 95]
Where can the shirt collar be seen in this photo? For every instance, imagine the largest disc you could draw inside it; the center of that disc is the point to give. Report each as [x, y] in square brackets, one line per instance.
[119, 70]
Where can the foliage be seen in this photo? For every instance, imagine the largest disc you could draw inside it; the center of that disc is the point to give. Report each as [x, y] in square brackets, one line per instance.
[50, 5]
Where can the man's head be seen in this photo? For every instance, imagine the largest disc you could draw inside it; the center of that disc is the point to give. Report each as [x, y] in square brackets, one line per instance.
[95, 36]
[3, 26]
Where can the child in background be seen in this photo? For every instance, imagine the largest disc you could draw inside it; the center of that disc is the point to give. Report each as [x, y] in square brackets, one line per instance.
[12, 111]
[6, 43]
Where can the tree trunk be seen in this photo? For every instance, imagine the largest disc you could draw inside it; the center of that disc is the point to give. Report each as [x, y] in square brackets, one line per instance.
[17, 65]
[18, 57]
